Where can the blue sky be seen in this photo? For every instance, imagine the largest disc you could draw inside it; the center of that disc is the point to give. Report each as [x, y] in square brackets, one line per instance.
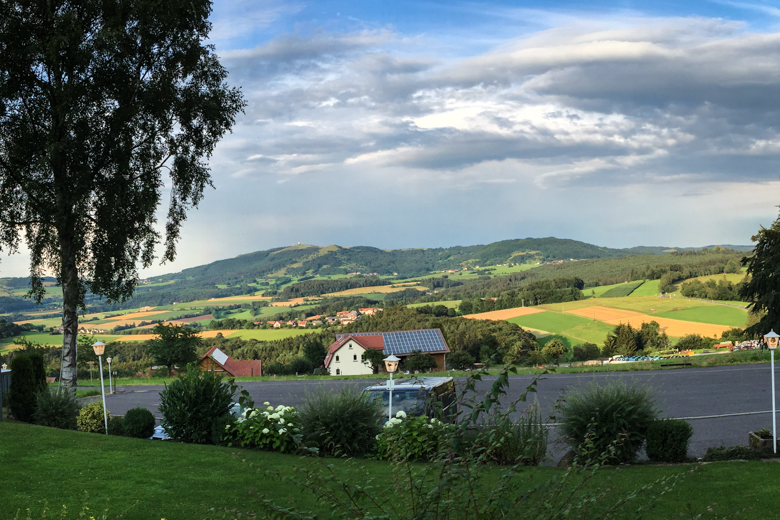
[430, 124]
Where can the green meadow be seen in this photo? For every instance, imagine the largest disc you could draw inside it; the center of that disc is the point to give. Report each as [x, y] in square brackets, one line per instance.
[649, 288]
[716, 314]
[451, 304]
[622, 290]
[551, 321]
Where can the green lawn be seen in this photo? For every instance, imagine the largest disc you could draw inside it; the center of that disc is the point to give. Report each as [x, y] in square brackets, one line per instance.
[451, 304]
[270, 334]
[716, 314]
[622, 290]
[596, 292]
[154, 479]
[551, 321]
[649, 288]
[593, 332]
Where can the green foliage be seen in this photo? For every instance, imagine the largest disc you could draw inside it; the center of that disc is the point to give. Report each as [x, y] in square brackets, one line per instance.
[763, 287]
[734, 334]
[375, 358]
[318, 287]
[56, 409]
[269, 429]
[176, 345]
[667, 440]
[610, 411]
[554, 350]
[712, 290]
[28, 379]
[138, 422]
[721, 453]
[419, 362]
[695, 342]
[344, 423]
[91, 418]
[627, 341]
[192, 405]
[517, 442]
[411, 437]
[460, 360]
[314, 351]
[585, 352]
[115, 425]
[301, 366]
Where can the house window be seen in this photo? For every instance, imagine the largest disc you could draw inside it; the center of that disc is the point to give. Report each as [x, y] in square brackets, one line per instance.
[350, 347]
[338, 372]
[337, 359]
[354, 357]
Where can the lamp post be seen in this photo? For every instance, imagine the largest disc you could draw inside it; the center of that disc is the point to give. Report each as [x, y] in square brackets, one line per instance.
[110, 391]
[99, 347]
[391, 365]
[771, 342]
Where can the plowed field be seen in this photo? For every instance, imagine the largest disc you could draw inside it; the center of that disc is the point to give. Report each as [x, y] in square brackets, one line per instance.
[674, 328]
[504, 314]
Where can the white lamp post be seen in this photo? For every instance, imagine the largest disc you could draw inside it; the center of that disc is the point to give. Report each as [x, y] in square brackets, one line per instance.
[110, 385]
[771, 342]
[391, 365]
[99, 347]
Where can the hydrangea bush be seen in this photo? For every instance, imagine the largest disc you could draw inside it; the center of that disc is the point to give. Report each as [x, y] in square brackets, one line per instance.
[410, 437]
[270, 429]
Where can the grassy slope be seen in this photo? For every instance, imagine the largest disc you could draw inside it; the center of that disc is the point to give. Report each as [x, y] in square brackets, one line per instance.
[649, 288]
[717, 314]
[178, 481]
[551, 321]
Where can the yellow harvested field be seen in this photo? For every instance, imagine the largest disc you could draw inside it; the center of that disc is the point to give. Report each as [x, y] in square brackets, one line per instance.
[205, 334]
[293, 301]
[597, 312]
[504, 314]
[676, 328]
[383, 289]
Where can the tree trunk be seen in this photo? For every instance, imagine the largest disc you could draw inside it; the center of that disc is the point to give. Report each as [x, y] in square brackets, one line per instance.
[70, 318]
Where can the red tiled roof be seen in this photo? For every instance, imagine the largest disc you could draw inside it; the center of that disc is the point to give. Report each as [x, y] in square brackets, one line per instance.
[373, 342]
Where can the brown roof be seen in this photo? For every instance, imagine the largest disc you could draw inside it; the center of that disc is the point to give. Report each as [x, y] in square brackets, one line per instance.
[235, 367]
[373, 342]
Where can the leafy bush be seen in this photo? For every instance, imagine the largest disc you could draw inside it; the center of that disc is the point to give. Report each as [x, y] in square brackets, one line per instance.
[28, 379]
[301, 366]
[695, 342]
[56, 409]
[461, 360]
[419, 362]
[612, 410]
[139, 423]
[585, 352]
[667, 440]
[91, 418]
[517, 442]
[192, 405]
[344, 423]
[409, 437]
[270, 429]
[722, 453]
[115, 425]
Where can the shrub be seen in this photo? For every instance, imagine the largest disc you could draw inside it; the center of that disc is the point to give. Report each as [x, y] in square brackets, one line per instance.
[115, 425]
[419, 362]
[409, 437]
[277, 369]
[91, 418]
[301, 366]
[270, 429]
[612, 411]
[139, 423]
[193, 404]
[517, 442]
[667, 440]
[344, 423]
[585, 352]
[461, 360]
[28, 379]
[722, 453]
[56, 409]
[695, 342]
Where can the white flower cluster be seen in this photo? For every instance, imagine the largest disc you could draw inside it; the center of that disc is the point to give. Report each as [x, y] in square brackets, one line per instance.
[398, 419]
[276, 415]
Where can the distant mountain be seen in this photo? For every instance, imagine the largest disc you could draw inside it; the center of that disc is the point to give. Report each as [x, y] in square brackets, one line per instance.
[309, 260]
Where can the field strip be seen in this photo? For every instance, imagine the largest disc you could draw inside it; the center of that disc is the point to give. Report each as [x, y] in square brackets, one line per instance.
[239, 298]
[135, 315]
[600, 313]
[382, 289]
[676, 328]
[205, 334]
[504, 314]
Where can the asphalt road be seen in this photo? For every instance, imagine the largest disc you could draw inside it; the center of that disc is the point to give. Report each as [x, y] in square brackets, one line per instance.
[690, 393]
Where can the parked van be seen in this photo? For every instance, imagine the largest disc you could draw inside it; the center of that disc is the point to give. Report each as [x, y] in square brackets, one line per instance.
[430, 396]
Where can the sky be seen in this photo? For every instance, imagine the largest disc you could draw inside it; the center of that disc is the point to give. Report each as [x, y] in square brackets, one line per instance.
[440, 123]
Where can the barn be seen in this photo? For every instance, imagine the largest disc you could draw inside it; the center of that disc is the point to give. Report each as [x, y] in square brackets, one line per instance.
[219, 362]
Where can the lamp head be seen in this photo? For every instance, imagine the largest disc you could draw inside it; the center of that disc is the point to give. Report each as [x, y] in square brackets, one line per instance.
[391, 363]
[5, 367]
[109, 360]
[771, 339]
[99, 347]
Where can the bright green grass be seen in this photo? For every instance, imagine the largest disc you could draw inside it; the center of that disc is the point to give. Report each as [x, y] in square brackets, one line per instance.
[622, 290]
[270, 334]
[551, 321]
[596, 292]
[44, 338]
[649, 288]
[594, 332]
[155, 479]
[715, 314]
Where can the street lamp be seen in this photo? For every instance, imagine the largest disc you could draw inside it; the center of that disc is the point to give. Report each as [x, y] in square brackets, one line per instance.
[99, 347]
[391, 365]
[110, 391]
[771, 342]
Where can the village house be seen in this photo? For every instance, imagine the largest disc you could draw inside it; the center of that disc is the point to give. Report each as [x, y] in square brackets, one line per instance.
[346, 354]
[217, 361]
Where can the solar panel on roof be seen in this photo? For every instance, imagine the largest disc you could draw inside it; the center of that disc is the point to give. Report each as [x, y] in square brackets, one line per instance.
[404, 342]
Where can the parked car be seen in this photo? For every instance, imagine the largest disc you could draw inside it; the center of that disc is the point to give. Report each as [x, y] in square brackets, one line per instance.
[430, 396]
